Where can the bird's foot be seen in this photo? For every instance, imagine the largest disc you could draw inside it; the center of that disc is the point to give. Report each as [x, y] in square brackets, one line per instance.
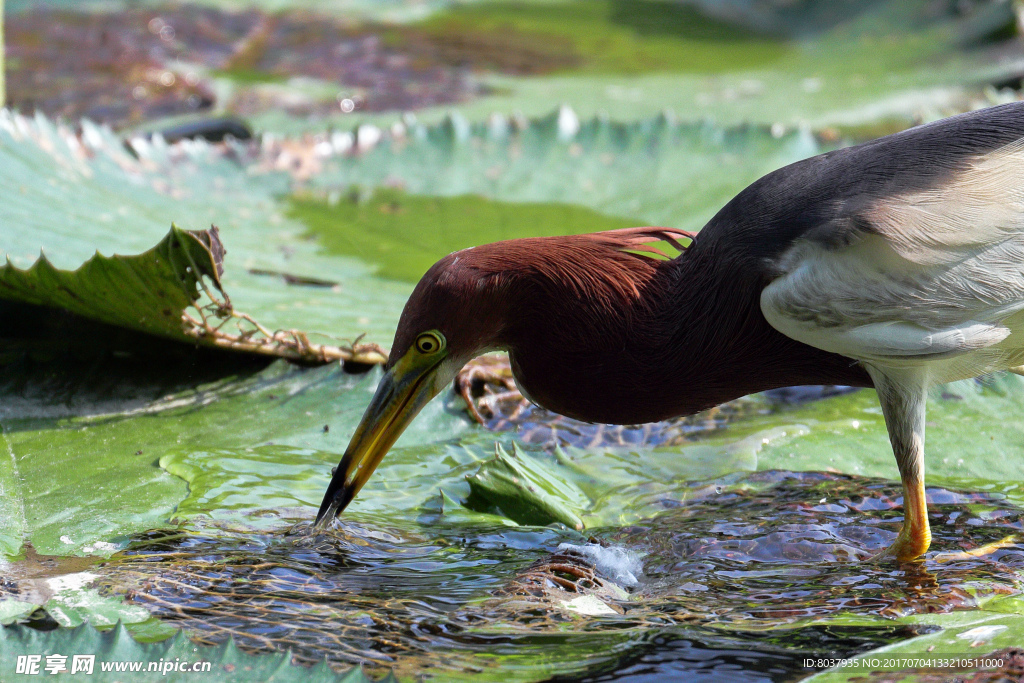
[980, 551]
[910, 544]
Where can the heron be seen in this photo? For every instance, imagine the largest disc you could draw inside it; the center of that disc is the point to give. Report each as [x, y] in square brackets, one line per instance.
[896, 264]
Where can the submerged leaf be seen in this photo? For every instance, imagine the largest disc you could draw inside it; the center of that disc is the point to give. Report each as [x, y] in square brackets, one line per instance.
[387, 228]
[526, 491]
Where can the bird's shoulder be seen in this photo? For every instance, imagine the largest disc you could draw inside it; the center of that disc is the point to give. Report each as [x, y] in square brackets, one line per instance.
[902, 251]
[947, 185]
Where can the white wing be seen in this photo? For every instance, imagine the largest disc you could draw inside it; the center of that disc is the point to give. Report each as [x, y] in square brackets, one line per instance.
[940, 274]
[982, 206]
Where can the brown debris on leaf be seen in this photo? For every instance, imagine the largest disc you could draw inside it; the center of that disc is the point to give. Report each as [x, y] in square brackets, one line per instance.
[563, 585]
[487, 386]
[110, 68]
[216, 317]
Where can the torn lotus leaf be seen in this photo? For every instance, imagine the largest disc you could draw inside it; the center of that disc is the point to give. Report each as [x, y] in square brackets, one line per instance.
[165, 292]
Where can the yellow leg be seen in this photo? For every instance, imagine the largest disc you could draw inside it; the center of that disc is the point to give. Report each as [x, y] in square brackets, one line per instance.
[902, 396]
[916, 535]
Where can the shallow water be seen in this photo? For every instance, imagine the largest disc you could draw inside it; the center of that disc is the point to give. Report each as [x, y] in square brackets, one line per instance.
[741, 584]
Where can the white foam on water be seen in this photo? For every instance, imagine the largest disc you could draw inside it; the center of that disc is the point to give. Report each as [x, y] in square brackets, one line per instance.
[101, 547]
[618, 564]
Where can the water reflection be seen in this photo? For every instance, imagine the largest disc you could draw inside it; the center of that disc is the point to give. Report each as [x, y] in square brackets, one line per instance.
[744, 658]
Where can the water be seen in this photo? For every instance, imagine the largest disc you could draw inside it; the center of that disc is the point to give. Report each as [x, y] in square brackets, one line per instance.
[741, 585]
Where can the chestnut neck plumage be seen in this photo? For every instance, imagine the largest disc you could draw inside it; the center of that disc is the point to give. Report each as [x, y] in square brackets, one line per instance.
[603, 335]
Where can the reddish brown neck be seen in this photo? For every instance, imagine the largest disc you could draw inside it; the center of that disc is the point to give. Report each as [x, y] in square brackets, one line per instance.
[693, 338]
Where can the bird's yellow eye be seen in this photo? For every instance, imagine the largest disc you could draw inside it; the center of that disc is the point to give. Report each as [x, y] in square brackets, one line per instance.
[430, 342]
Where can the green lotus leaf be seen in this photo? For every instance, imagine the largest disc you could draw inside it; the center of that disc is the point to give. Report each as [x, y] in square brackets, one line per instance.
[149, 292]
[525, 490]
[654, 171]
[159, 292]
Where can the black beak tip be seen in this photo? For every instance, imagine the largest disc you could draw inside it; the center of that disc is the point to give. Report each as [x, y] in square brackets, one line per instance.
[325, 512]
[336, 499]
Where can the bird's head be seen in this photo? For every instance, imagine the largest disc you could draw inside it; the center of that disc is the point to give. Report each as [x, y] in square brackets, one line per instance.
[454, 314]
[478, 300]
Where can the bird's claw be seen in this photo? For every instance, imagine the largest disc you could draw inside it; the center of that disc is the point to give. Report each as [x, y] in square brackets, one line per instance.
[908, 546]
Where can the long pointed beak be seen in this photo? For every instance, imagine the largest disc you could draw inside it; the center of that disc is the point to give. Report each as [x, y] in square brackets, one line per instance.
[401, 394]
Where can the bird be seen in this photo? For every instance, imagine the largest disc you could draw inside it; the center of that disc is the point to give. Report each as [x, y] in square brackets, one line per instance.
[896, 264]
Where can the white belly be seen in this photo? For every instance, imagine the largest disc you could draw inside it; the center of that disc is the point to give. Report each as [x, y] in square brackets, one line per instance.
[951, 320]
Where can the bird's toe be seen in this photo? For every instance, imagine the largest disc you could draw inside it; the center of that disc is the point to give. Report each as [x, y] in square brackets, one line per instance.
[981, 551]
